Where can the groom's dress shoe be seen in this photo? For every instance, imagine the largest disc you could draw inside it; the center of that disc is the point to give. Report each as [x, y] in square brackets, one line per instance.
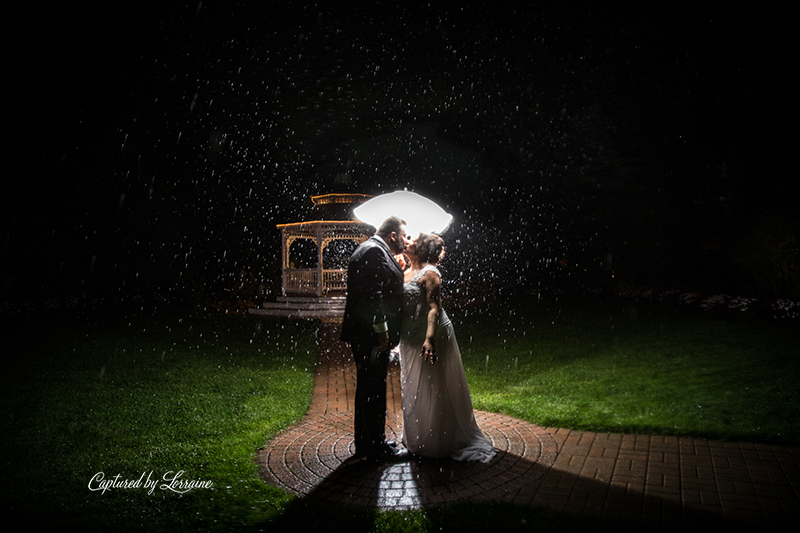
[388, 454]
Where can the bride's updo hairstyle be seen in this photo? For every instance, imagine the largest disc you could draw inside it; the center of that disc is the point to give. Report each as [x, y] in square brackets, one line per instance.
[430, 248]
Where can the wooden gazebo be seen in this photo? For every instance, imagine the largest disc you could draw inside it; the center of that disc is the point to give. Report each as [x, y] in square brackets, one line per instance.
[314, 256]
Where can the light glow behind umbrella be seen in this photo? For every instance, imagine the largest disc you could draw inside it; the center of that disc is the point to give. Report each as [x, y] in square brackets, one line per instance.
[421, 214]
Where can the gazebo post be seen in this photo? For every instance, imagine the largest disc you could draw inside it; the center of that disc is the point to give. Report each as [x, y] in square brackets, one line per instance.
[318, 237]
[284, 261]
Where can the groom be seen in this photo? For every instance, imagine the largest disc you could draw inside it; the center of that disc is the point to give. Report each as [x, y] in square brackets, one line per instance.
[372, 327]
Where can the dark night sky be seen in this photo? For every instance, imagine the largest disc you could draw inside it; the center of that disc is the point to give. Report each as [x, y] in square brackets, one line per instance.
[158, 148]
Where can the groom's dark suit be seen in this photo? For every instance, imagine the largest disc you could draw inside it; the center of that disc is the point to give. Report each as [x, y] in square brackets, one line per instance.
[374, 305]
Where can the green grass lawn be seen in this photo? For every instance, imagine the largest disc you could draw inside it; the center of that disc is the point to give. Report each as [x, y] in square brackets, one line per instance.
[139, 396]
[603, 369]
[146, 396]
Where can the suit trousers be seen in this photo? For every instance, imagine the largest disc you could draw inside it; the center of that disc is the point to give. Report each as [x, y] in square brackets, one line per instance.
[372, 367]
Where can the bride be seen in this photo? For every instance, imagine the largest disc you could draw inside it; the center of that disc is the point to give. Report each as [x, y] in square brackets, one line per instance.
[438, 420]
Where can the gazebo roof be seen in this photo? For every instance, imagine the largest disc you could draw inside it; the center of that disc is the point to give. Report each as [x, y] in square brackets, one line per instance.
[336, 206]
[340, 198]
[332, 213]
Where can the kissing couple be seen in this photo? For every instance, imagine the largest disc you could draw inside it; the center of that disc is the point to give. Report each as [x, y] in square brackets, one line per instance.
[387, 308]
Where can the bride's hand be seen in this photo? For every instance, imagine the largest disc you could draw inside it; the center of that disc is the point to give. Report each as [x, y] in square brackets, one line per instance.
[428, 351]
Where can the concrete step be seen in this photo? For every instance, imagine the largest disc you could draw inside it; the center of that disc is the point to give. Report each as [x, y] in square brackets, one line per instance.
[327, 309]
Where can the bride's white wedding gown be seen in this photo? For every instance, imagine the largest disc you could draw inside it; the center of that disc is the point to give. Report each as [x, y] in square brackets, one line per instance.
[438, 420]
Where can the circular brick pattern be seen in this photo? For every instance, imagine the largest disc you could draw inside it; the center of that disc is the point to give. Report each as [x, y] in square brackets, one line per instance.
[314, 459]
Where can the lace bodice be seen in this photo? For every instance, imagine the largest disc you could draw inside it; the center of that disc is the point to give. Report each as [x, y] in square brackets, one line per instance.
[415, 306]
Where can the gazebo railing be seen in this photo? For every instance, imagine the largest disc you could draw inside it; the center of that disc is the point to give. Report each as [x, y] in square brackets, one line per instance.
[334, 280]
[306, 281]
[300, 280]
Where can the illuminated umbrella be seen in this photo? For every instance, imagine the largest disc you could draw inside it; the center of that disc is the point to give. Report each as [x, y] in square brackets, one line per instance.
[421, 214]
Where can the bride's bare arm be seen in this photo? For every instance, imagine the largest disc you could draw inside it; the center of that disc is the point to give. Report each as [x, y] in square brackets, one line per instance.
[432, 284]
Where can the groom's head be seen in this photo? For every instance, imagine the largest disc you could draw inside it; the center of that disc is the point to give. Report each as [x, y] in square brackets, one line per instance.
[393, 231]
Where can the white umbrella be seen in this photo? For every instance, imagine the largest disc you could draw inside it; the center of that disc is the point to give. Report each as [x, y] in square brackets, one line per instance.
[421, 214]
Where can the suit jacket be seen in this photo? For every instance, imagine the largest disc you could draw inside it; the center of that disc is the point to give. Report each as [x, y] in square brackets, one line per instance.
[374, 293]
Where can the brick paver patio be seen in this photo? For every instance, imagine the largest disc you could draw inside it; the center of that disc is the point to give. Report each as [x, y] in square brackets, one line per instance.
[647, 479]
